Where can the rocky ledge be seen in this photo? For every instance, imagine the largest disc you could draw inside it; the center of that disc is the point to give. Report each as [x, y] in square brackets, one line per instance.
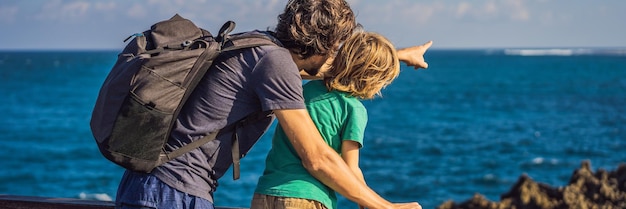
[585, 190]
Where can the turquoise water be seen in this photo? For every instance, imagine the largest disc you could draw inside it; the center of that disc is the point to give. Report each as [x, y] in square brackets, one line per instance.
[472, 123]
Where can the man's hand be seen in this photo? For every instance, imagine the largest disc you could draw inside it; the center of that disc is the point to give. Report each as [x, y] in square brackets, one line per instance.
[414, 56]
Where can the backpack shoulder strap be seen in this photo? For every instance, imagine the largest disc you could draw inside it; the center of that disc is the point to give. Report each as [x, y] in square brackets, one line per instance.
[248, 40]
[235, 42]
[228, 43]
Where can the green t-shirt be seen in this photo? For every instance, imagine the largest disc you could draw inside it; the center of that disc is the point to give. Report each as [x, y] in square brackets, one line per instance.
[338, 116]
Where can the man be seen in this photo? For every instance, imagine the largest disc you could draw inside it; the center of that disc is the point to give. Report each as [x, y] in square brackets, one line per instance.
[248, 82]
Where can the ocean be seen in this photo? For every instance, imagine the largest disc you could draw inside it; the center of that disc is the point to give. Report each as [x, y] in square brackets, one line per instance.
[473, 122]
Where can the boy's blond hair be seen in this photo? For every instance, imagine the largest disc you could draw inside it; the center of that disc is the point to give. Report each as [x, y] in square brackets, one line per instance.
[366, 63]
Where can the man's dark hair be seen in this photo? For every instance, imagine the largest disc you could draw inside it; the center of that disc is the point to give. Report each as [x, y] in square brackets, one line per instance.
[314, 27]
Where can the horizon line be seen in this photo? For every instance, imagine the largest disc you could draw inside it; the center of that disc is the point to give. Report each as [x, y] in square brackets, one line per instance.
[432, 48]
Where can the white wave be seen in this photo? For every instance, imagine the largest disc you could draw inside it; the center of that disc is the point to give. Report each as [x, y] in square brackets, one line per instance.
[97, 196]
[548, 52]
[554, 161]
[540, 160]
[489, 176]
[566, 52]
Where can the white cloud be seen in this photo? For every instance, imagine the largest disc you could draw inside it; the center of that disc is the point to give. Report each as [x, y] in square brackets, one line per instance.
[514, 10]
[518, 10]
[205, 10]
[416, 12]
[136, 11]
[8, 14]
[394, 12]
[105, 6]
[75, 9]
[58, 10]
[490, 7]
[462, 9]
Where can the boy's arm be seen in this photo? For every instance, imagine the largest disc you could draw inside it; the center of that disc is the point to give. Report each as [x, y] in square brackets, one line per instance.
[350, 154]
[413, 56]
[325, 164]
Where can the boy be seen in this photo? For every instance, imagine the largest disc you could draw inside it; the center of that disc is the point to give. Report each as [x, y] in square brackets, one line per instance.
[365, 63]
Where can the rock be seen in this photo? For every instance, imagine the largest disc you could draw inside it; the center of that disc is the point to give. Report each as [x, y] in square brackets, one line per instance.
[585, 190]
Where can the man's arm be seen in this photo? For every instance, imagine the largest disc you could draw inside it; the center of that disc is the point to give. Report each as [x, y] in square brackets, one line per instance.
[325, 164]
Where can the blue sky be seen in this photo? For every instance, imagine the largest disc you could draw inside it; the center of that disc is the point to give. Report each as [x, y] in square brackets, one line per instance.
[103, 24]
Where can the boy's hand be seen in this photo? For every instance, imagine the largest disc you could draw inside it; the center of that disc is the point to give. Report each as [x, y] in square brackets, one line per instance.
[414, 56]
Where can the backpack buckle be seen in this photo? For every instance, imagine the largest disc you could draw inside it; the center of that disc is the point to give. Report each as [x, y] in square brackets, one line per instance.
[222, 36]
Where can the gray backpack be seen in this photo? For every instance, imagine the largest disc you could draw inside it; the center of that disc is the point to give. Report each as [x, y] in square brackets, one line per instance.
[143, 93]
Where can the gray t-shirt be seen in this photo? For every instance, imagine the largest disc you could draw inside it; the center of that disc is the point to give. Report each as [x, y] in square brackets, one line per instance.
[240, 83]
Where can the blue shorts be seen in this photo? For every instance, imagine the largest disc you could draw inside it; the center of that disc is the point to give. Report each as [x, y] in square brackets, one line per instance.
[142, 190]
